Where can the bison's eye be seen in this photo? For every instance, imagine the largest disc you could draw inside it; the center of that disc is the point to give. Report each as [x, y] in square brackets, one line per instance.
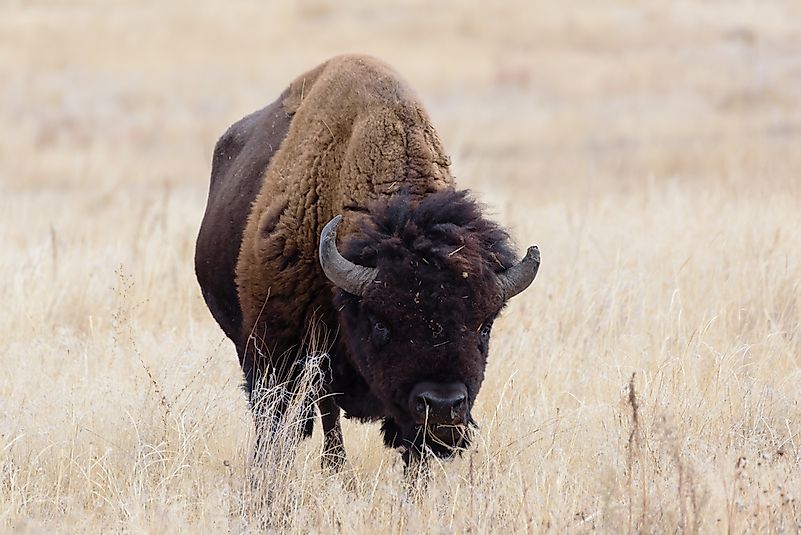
[485, 330]
[380, 334]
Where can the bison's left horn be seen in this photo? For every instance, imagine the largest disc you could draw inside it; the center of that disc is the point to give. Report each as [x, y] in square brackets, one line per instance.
[518, 277]
[351, 277]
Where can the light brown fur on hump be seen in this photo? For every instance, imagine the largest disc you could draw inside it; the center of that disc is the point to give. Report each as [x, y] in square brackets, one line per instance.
[358, 133]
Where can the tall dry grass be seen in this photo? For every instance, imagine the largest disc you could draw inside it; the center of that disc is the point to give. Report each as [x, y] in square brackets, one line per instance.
[647, 382]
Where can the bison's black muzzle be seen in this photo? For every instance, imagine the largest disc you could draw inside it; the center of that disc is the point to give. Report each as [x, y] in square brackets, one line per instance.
[439, 403]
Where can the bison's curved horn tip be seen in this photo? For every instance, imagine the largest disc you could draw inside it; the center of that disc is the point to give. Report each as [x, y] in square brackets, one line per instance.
[345, 274]
[518, 277]
[330, 228]
[533, 253]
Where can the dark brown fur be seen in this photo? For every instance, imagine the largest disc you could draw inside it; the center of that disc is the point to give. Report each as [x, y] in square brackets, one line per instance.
[436, 292]
[240, 158]
[349, 137]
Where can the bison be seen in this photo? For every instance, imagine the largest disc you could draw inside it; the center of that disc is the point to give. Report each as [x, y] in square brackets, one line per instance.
[335, 206]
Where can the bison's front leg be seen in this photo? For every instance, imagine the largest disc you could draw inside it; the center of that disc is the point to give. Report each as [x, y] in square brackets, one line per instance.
[333, 447]
[282, 419]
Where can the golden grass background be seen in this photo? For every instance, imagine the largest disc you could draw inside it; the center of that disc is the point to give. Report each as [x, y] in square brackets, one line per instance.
[652, 151]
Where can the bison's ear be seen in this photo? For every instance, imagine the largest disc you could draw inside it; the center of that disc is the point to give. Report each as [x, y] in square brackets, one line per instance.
[351, 277]
[518, 277]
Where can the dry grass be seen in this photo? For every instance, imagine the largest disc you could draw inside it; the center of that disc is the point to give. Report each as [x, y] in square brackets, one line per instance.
[648, 382]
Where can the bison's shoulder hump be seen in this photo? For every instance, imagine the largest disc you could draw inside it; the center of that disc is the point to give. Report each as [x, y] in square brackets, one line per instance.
[350, 79]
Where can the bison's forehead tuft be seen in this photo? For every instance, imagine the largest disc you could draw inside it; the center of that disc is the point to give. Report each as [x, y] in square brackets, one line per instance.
[444, 231]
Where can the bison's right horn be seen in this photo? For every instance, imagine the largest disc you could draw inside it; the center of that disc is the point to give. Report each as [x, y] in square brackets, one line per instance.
[351, 277]
[518, 277]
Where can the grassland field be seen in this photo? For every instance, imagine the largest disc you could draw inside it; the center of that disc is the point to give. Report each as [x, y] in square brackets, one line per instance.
[648, 382]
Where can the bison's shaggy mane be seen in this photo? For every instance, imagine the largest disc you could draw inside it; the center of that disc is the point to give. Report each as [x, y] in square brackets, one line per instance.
[447, 229]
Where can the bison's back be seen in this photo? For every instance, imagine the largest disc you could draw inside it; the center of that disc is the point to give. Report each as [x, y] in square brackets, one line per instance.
[240, 160]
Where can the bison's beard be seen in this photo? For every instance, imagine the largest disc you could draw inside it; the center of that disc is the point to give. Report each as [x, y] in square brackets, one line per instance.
[415, 441]
[445, 440]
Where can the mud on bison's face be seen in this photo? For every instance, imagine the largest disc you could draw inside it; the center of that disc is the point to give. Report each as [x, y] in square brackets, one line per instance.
[421, 342]
[420, 339]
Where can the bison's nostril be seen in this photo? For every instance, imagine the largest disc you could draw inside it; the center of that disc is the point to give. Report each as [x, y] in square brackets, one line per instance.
[456, 410]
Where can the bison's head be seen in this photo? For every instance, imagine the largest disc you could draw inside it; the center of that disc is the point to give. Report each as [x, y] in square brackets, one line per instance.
[418, 289]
